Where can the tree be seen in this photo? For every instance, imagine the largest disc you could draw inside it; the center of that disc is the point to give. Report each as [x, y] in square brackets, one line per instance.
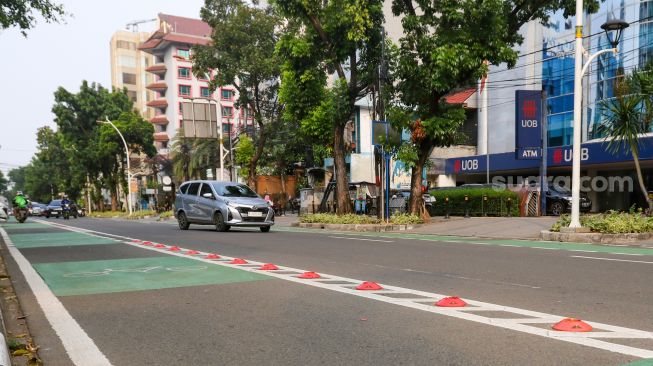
[243, 52]
[443, 48]
[243, 155]
[3, 182]
[628, 116]
[323, 38]
[20, 13]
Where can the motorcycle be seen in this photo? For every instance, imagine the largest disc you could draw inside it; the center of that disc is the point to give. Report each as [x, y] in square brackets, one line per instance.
[66, 211]
[21, 214]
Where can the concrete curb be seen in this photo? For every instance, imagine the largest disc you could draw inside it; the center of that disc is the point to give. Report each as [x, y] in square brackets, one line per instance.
[596, 238]
[355, 227]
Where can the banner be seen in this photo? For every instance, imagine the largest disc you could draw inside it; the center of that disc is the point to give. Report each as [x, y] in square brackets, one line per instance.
[528, 124]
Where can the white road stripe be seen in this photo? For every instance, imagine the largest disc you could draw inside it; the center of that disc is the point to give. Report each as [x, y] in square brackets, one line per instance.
[611, 259]
[520, 324]
[79, 346]
[342, 237]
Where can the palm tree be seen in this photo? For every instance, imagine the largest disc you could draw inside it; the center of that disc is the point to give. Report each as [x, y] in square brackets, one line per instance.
[629, 115]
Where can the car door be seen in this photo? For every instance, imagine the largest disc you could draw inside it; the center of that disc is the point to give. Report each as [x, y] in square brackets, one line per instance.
[206, 202]
[190, 201]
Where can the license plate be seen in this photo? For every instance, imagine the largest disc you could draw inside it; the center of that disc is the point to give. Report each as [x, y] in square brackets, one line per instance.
[255, 214]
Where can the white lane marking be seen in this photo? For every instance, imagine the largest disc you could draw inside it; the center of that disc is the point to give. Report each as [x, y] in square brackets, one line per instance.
[342, 237]
[611, 259]
[584, 251]
[460, 313]
[546, 248]
[79, 346]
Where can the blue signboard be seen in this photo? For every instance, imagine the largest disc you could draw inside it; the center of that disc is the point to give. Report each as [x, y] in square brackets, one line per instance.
[529, 153]
[528, 123]
[590, 153]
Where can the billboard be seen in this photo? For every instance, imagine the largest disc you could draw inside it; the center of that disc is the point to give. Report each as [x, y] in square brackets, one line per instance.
[528, 124]
[199, 120]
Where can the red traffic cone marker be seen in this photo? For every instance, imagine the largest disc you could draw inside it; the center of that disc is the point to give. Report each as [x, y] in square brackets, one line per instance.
[369, 286]
[269, 267]
[451, 302]
[192, 252]
[160, 246]
[175, 249]
[148, 243]
[238, 261]
[136, 241]
[309, 275]
[572, 325]
[212, 256]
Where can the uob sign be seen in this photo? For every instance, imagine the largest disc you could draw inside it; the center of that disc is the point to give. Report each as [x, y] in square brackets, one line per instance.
[528, 124]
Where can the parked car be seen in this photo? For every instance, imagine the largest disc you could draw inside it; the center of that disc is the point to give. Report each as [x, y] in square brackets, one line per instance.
[4, 208]
[53, 209]
[223, 204]
[558, 201]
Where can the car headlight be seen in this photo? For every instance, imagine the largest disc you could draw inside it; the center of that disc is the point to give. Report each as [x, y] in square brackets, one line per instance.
[566, 198]
[232, 204]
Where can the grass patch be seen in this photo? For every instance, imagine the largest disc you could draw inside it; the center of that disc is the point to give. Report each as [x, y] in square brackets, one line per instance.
[611, 222]
[166, 215]
[327, 218]
[405, 219]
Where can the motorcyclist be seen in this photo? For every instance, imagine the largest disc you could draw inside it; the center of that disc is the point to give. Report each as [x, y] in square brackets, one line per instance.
[65, 200]
[65, 206]
[20, 202]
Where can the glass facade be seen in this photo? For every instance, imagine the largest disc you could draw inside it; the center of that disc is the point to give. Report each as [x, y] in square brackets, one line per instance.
[635, 49]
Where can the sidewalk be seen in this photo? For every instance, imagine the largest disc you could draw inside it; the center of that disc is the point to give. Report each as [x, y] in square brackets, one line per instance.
[488, 227]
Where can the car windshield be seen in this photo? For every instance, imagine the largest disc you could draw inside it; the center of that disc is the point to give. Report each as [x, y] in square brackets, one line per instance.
[236, 190]
[561, 190]
[55, 203]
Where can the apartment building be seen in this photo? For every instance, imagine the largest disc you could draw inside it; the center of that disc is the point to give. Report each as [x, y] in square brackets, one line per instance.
[128, 65]
[175, 84]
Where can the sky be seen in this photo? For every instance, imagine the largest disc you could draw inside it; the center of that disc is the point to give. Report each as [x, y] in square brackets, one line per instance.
[56, 55]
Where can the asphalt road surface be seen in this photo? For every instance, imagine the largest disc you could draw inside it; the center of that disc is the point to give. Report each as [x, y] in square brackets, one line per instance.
[107, 299]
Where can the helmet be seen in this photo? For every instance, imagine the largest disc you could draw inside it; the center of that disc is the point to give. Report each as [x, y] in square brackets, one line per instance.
[19, 193]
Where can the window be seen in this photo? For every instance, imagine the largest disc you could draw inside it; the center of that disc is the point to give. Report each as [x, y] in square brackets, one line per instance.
[205, 92]
[184, 188]
[227, 111]
[205, 189]
[126, 45]
[183, 72]
[181, 108]
[205, 76]
[227, 94]
[185, 53]
[184, 90]
[239, 190]
[164, 144]
[246, 113]
[132, 95]
[128, 78]
[127, 61]
[192, 190]
[226, 128]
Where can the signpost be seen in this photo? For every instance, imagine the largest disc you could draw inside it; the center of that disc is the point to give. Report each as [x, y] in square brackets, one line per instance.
[528, 124]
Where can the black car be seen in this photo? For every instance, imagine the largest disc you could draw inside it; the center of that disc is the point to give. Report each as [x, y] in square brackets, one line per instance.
[53, 209]
[558, 201]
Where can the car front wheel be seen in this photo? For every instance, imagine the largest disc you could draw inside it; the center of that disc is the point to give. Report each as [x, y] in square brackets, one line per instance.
[183, 221]
[265, 229]
[218, 221]
[557, 208]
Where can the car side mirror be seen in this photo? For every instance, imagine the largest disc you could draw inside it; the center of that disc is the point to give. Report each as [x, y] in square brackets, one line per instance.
[208, 195]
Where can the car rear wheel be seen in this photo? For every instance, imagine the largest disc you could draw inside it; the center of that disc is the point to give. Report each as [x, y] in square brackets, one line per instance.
[557, 208]
[218, 221]
[182, 220]
[265, 229]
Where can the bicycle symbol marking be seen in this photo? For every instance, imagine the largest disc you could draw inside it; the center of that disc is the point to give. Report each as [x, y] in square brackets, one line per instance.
[145, 270]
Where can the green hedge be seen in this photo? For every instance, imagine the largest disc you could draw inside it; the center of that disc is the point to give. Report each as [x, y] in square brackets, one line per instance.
[612, 222]
[495, 205]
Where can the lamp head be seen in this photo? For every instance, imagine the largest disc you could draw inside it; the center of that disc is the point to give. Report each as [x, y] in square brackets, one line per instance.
[617, 26]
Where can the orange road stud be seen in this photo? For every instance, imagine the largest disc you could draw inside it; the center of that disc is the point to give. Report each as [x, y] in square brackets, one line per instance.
[212, 256]
[160, 246]
[369, 286]
[309, 275]
[238, 261]
[572, 325]
[451, 302]
[175, 249]
[192, 252]
[269, 267]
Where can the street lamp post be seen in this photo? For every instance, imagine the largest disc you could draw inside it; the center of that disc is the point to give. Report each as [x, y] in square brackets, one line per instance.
[129, 176]
[579, 70]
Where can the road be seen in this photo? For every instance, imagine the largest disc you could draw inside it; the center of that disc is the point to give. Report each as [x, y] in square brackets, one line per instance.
[125, 303]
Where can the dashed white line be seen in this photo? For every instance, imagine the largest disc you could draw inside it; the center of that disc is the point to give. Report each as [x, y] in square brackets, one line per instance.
[611, 259]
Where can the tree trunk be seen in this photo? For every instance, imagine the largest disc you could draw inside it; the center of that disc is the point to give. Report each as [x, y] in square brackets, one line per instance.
[416, 202]
[114, 199]
[642, 186]
[342, 183]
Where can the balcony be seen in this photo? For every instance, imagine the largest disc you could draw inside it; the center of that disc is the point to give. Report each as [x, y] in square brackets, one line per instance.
[157, 69]
[158, 86]
[159, 120]
[161, 136]
[157, 103]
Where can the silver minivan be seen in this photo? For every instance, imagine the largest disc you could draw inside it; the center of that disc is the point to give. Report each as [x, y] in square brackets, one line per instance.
[223, 204]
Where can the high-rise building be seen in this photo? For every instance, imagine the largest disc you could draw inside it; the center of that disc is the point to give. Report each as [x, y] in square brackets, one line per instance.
[128, 66]
[174, 82]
